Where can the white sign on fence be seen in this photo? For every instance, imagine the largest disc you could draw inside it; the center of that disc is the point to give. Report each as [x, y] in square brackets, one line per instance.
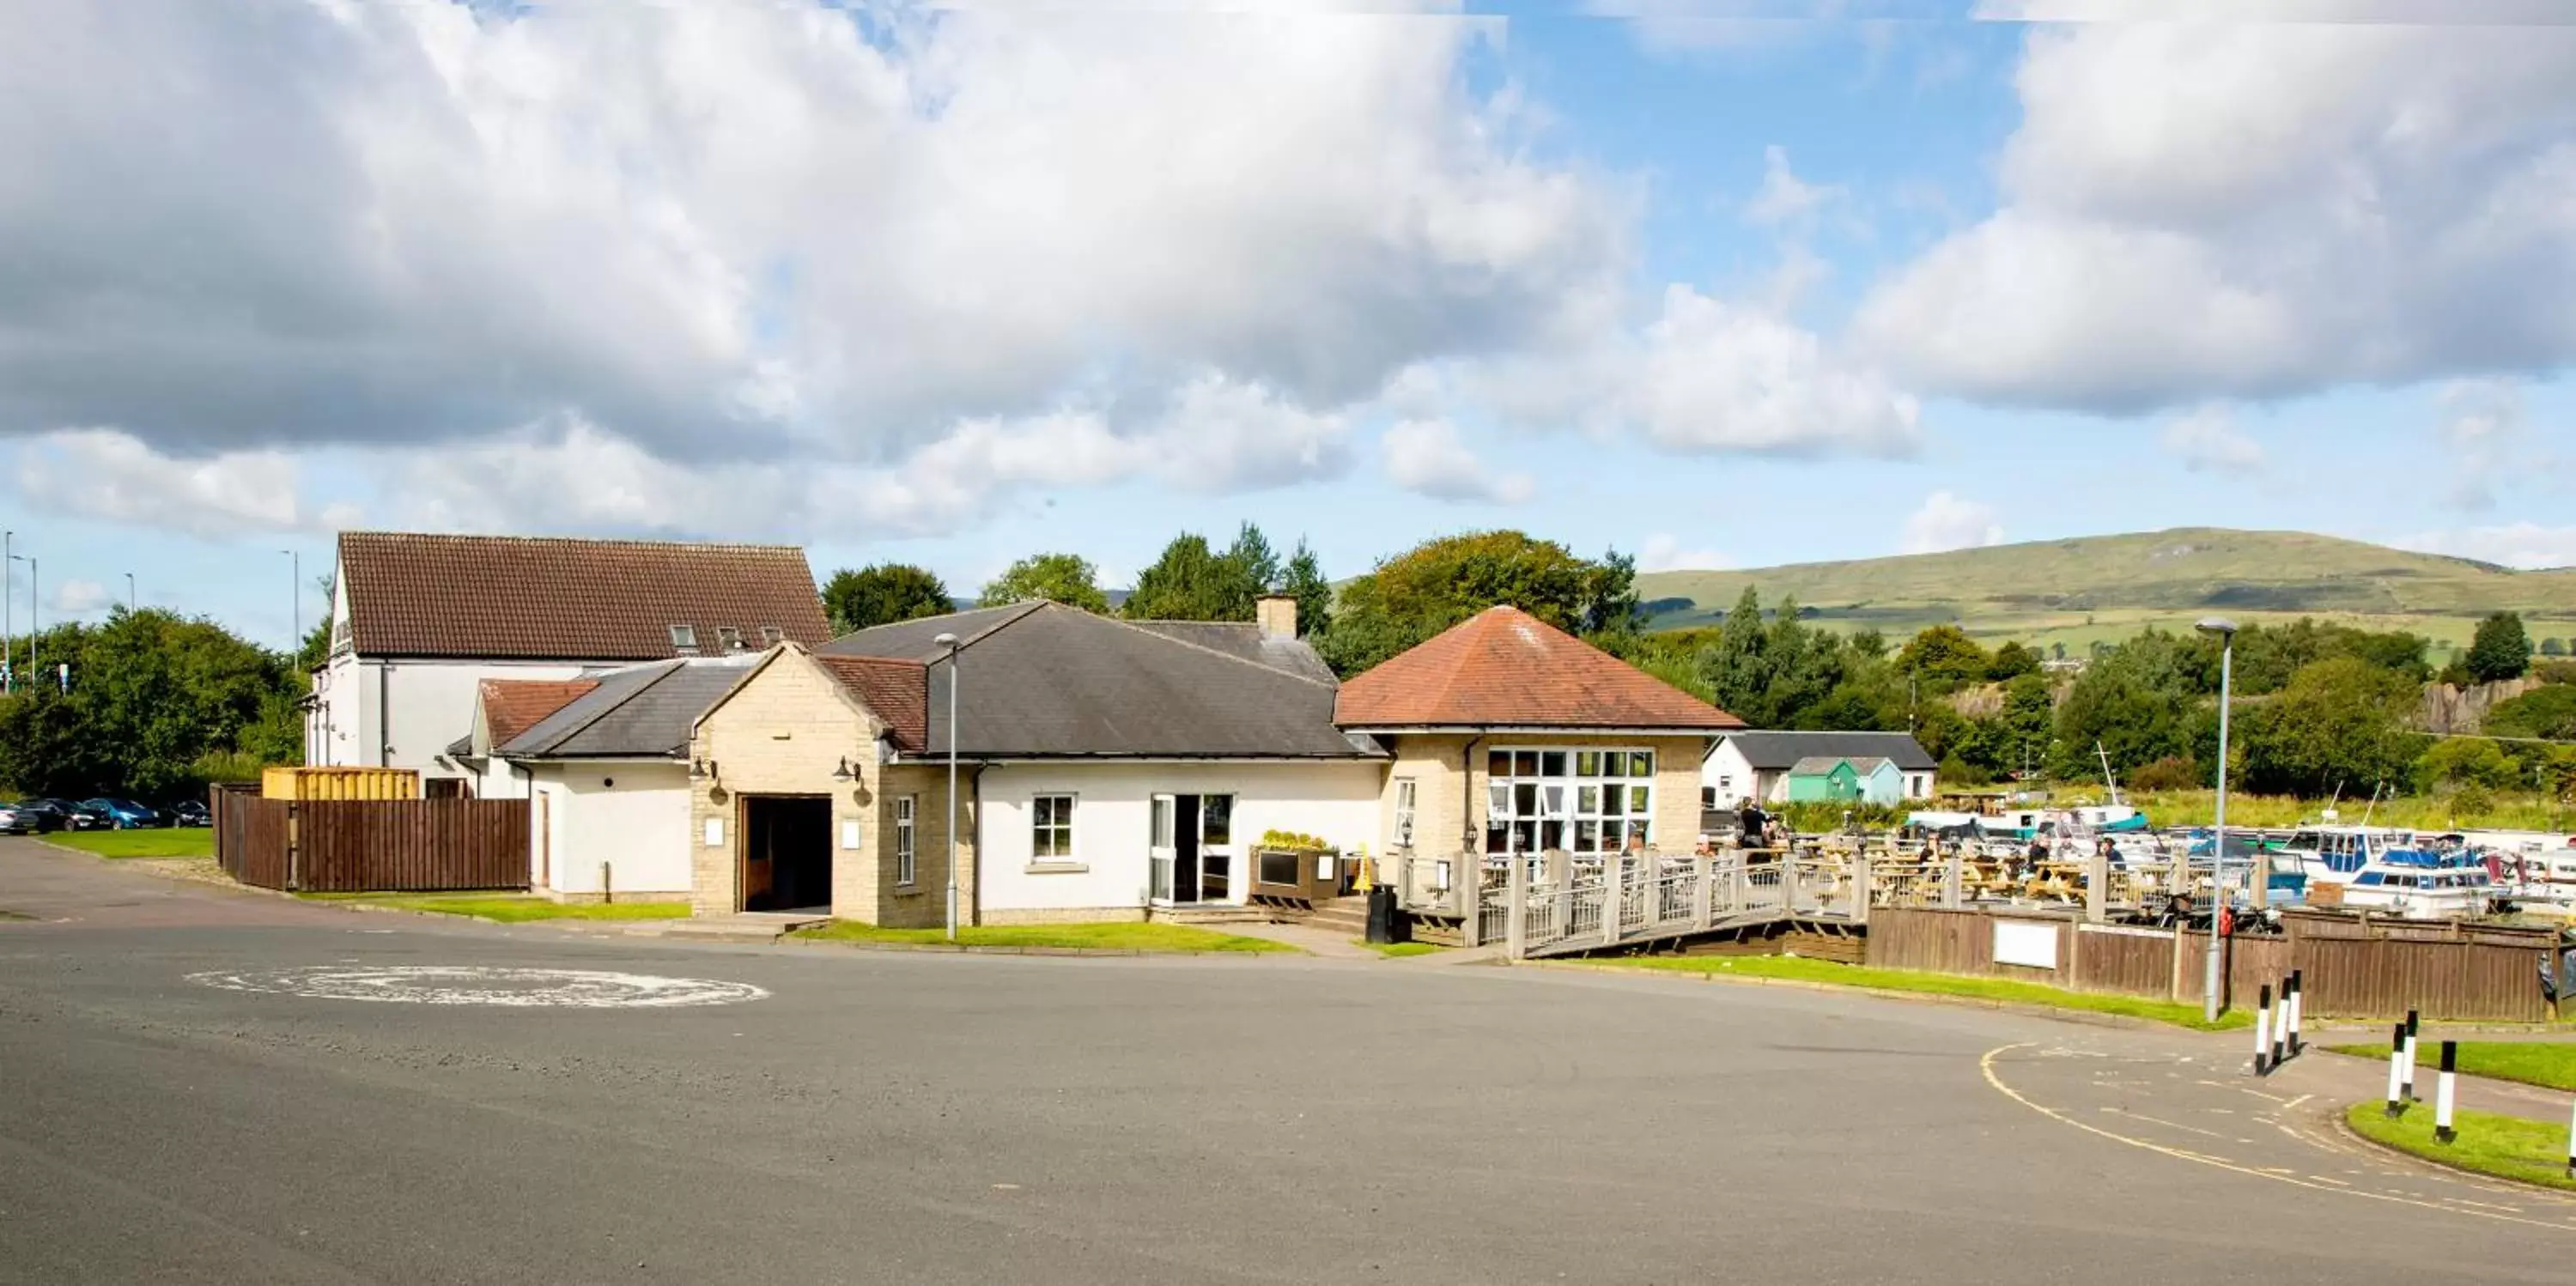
[2021, 942]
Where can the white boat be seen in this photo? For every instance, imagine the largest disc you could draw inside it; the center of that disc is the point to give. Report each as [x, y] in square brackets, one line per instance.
[2336, 854]
[2427, 890]
[2536, 876]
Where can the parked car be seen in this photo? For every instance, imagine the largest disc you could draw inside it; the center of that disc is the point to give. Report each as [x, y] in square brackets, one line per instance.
[61, 814]
[190, 812]
[124, 814]
[19, 819]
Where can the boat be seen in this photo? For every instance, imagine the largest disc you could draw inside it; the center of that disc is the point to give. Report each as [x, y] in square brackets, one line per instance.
[2335, 854]
[2421, 886]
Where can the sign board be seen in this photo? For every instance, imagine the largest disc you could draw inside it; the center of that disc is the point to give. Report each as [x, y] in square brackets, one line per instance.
[715, 832]
[849, 832]
[2023, 942]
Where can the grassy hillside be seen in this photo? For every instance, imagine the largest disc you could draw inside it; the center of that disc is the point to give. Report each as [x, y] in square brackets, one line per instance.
[2110, 587]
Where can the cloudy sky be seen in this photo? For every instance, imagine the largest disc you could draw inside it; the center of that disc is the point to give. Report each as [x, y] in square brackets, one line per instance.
[1721, 282]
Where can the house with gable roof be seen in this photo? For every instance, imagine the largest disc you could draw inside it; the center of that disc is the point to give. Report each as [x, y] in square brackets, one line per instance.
[419, 621]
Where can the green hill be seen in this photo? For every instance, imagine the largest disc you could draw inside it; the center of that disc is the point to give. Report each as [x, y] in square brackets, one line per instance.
[2109, 587]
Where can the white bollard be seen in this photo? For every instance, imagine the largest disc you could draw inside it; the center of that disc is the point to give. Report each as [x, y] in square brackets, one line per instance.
[2298, 994]
[2262, 1028]
[2443, 1090]
[2397, 1071]
[2571, 1144]
[2410, 1057]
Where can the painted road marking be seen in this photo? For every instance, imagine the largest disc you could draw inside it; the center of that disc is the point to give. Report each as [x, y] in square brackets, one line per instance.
[484, 985]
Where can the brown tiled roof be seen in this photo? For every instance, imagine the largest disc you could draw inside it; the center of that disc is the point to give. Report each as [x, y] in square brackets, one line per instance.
[1504, 668]
[897, 690]
[571, 600]
[512, 706]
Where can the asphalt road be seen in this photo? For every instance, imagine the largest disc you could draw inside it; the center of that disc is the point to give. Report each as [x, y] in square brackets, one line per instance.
[902, 1118]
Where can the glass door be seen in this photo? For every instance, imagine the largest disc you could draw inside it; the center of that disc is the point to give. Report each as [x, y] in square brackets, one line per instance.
[1160, 849]
[1216, 847]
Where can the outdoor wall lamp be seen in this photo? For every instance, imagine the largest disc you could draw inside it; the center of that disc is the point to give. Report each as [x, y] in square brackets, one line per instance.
[702, 770]
[843, 774]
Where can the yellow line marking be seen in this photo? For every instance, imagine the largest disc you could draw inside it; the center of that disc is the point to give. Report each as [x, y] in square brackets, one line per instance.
[2325, 1179]
[1986, 1065]
[2153, 1120]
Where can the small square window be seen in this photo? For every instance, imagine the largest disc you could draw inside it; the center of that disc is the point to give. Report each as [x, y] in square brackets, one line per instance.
[1525, 763]
[770, 635]
[1498, 763]
[1551, 763]
[684, 637]
[1641, 763]
[1051, 828]
[728, 638]
[1587, 763]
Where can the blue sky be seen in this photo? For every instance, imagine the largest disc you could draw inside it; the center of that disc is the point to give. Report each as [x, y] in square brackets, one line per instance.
[988, 283]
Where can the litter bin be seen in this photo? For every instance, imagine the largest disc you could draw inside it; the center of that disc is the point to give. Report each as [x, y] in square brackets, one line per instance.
[1386, 924]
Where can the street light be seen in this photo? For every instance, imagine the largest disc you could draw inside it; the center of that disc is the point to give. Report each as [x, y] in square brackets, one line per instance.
[32, 632]
[129, 593]
[294, 602]
[949, 641]
[8, 631]
[2226, 631]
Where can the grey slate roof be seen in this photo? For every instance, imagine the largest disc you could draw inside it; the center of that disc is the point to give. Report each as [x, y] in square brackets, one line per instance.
[639, 711]
[1042, 680]
[1771, 751]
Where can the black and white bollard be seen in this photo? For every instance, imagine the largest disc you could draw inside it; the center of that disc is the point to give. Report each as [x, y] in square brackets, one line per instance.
[2442, 1091]
[2397, 1071]
[2410, 1057]
[2298, 994]
[2571, 1145]
[2263, 1029]
[2281, 1028]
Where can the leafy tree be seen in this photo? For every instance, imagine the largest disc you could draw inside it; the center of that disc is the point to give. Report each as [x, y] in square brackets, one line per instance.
[2168, 774]
[1944, 658]
[2547, 712]
[1069, 579]
[2133, 722]
[1305, 582]
[1435, 585]
[2022, 730]
[1189, 582]
[1255, 568]
[2338, 722]
[881, 595]
[151, 695]
[2011, 661]
[1610, 596]
[2553, 647]
[2500, 650]
[2464, 761]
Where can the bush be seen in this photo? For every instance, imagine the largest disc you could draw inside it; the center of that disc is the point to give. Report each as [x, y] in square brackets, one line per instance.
[2472, 802]
[2173, 772]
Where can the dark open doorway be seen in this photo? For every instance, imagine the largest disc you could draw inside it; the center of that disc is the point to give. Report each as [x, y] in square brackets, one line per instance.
[786, 853]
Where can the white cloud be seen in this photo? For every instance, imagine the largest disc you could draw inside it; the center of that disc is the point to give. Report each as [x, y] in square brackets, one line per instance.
[1783, 196]
[2206, 440]
[1710, 376]
[1663, 552]
[78, 598]
[1948, 522]
[764, 231]
[117, 477]
[2481, 425]
[2247, 209]
[1430, 457]
[2525, 545]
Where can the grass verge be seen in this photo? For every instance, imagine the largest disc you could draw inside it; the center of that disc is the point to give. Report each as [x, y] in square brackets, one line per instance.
[1398, 950]
[1799, 969]
[1097, 937]
[2507, 1147]
[508, 908]
[178, 841]
[2532, 1062]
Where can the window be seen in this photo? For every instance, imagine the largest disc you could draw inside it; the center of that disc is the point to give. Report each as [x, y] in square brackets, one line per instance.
[904, 869]
[1216, 820]
[684, 637]
[1707, 797]
[1588, 801]
[1051, 828]
[770, 635]
[728, 638]
[1404, 801]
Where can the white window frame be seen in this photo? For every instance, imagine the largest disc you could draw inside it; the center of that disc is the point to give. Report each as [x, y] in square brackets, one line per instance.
[684, 637]
[1072, 804]
[1558, 799]
[728, 638]
[1407, 802]
[907, 869]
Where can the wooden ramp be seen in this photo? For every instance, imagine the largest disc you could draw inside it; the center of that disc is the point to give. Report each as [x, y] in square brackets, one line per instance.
[1543, 906]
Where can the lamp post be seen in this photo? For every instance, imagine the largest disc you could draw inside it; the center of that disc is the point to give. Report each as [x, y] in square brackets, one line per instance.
[129, 593]
[8, 631]
[32, 631]
[2226, 631]
[949, 641]
[294, 602]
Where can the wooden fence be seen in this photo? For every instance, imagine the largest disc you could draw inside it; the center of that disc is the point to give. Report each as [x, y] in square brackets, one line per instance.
[2348, 968]
[361, 846]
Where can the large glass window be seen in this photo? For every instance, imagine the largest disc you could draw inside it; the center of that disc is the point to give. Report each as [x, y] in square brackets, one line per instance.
[1404, 803]
[904, 867]
[1586, 801]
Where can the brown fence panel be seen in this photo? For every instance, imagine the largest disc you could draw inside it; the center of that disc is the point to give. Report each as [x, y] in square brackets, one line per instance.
[2132, 962]
[2383, 978]
[1940, 941]
[251, 836]
[412, 845]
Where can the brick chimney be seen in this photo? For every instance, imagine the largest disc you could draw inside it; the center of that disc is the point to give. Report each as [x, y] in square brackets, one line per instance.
[1277, 614]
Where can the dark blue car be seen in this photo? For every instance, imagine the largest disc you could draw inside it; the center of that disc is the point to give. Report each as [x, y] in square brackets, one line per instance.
[124, 814]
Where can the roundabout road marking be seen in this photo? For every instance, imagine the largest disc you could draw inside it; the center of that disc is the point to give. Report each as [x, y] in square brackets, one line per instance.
[1987, 1066]
[483, 985]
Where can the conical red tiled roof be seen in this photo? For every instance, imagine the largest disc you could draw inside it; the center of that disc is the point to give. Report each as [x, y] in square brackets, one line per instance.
[1504, 668]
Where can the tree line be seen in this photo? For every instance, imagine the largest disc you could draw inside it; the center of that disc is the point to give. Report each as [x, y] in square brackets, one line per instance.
[155, 706]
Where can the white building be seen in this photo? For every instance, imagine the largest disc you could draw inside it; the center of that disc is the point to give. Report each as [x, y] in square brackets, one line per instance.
[419, 621]
[1756, 765]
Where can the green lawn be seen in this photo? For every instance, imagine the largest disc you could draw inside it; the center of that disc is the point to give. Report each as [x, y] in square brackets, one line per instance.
[510, 908]
[2507, 1147]
[1398, 950]
[2536, 1062]
[178, 841]
[1100, 937]
[1941, 984]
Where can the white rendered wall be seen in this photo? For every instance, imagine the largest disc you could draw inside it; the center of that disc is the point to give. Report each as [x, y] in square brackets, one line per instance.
[639, 826]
